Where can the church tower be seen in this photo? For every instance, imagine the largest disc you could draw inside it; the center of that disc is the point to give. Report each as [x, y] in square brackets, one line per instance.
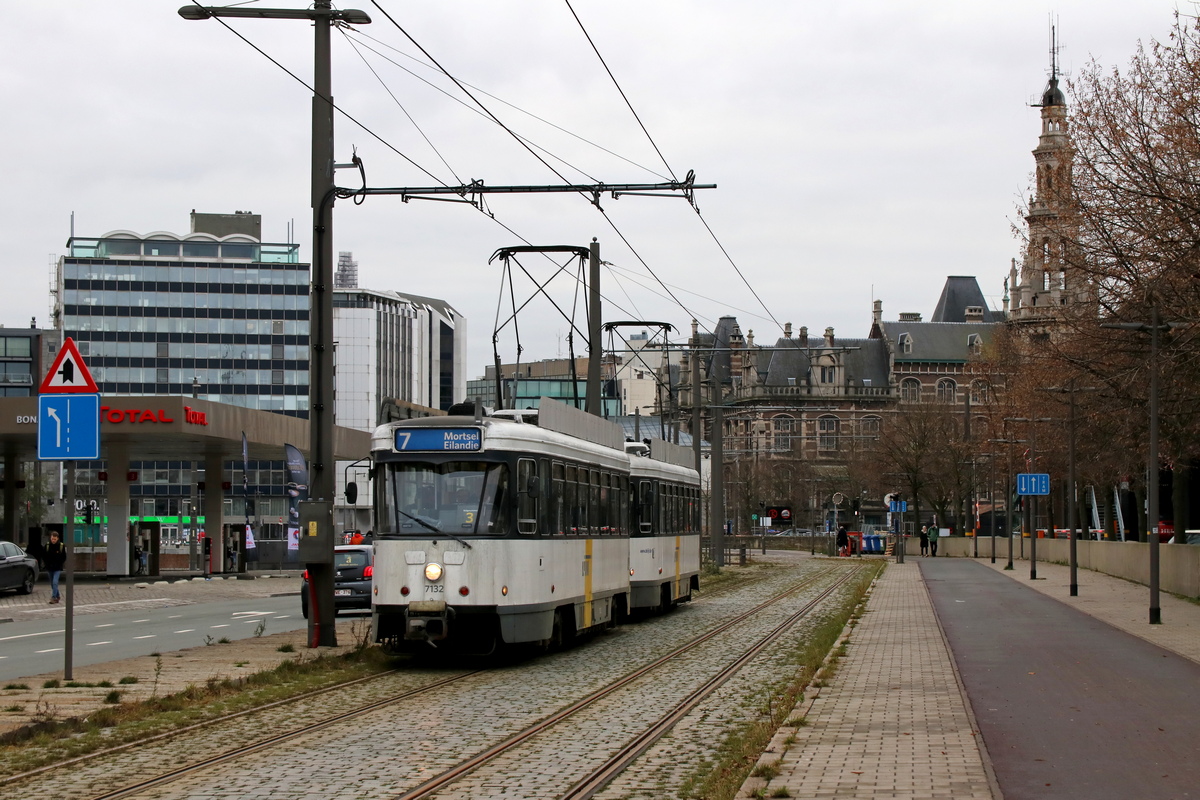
[1046, 282]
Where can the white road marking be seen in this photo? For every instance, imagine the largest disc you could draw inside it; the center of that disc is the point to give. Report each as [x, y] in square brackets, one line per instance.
[174, 616]
[238, 614]
[51, 650]
[147, 636]
[27, 635]
[224, 625]
[186, 630]
[93, 644]
[106, 625]
[136, 621]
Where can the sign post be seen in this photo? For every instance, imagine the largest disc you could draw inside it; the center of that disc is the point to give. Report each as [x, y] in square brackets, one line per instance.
[1033, 484]
[69, 431]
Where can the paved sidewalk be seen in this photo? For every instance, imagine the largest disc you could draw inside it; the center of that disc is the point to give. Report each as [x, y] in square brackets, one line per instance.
[893, 723]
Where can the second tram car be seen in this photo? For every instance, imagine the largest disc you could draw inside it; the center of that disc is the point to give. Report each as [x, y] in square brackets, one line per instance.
[664, 540]
[498, 530]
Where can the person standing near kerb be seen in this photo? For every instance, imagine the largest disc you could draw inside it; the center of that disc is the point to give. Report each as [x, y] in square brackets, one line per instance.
[55, 558]
[933, 541]
[924, 540]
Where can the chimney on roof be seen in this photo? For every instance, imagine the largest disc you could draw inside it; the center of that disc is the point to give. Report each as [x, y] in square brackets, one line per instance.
[973, 313]
[829, 337]
[787, 330]
[910, 316]
[804, 336]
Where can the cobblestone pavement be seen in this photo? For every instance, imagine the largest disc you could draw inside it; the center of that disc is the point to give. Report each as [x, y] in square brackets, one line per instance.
[1121, 603]
[425, 735]
[893, 723]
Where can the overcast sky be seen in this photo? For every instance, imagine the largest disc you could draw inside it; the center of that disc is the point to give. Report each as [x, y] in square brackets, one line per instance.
[862, 150]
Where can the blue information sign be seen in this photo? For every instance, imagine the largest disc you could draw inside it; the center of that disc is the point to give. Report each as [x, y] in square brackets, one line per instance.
[439, 439]
[68, 427]
[898, 506]
[1033, 483]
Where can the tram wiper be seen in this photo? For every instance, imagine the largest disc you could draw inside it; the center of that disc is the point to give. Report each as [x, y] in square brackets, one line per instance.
[435, 529]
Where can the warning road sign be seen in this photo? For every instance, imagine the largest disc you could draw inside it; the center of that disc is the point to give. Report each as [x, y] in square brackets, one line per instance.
[68, 373]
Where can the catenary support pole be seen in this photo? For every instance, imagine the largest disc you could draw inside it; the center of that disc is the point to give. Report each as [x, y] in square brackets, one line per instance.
[595, 349]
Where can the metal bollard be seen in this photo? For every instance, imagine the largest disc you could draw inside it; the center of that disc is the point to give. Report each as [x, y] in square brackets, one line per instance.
[741, 556]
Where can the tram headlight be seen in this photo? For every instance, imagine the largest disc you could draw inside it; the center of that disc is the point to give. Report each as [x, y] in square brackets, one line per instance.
[433, 571]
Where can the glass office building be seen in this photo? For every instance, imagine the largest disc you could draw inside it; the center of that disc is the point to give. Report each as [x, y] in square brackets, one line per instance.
[215, 314]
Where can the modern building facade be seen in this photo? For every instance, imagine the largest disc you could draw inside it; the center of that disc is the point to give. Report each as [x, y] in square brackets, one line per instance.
[216, 314]
[397, 356]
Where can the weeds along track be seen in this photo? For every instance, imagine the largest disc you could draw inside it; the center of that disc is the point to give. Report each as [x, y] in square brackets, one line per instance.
[598, 777]
[309, 727]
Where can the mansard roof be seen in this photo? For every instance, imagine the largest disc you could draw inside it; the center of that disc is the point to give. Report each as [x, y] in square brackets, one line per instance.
[865, 362]
[937, 341]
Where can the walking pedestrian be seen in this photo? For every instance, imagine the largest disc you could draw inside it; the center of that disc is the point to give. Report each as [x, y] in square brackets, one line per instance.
[843, 541]
[933, 542]
[55, 557]
[924, 540]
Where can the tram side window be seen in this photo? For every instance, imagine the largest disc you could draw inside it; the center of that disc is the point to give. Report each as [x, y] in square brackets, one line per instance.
[645, 507]
[527, 496]
[602, 521]
[570, 500]
[593, 502]
[558, 522]
[624, 506]
[544, 517]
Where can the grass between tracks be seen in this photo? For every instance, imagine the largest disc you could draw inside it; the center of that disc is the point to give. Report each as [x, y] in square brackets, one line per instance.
[51, 741]
[740, 751]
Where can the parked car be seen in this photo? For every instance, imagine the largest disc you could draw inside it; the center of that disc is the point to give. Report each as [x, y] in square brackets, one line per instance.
[18, 569]
[353, 568]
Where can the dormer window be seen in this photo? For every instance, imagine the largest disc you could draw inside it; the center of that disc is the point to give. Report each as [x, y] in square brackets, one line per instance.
[904, 342]
[975, 343]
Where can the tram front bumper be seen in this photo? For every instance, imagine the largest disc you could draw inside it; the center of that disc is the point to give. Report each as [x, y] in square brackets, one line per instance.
[427, 621]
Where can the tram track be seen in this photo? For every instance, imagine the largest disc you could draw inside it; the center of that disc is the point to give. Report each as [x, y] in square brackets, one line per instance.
[600, 777]
[429, 787]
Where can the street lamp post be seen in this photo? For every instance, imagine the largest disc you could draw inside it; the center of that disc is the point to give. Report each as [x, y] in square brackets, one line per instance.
[322, 630]
[1155, 327]
[1007, 493]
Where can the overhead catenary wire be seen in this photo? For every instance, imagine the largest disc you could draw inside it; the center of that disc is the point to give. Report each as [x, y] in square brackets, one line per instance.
[654, 144]
[502, 101]
[400, 105]
[433, 177]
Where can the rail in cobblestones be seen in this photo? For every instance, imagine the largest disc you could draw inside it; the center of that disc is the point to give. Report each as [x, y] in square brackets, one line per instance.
[600, 777]
[241, 751]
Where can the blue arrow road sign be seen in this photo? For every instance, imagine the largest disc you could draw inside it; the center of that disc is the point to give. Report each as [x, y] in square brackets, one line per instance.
[1033, 483]
[68, 427]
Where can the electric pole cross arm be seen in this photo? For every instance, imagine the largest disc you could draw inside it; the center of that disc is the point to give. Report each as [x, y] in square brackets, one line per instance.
[470, 192]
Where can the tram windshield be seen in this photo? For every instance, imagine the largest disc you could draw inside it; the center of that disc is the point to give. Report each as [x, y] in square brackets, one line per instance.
[454, 498]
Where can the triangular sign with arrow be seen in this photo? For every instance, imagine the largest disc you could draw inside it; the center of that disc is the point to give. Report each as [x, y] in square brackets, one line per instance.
[68, 373]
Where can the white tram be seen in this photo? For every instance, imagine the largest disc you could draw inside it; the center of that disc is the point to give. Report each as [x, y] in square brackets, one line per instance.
[497, 530]
[664, 542]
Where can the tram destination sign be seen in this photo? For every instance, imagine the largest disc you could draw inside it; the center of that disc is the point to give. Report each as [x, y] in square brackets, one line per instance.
[439, 439]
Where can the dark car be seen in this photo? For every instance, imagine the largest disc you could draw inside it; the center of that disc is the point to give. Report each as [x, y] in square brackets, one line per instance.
[18, 569]
[353, 567]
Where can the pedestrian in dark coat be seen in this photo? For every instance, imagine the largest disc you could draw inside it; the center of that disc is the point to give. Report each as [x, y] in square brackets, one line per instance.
[924, 540]
[54, 556]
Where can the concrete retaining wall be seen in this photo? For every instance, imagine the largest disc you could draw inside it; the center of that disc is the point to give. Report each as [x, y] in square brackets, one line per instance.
[1178, 564]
